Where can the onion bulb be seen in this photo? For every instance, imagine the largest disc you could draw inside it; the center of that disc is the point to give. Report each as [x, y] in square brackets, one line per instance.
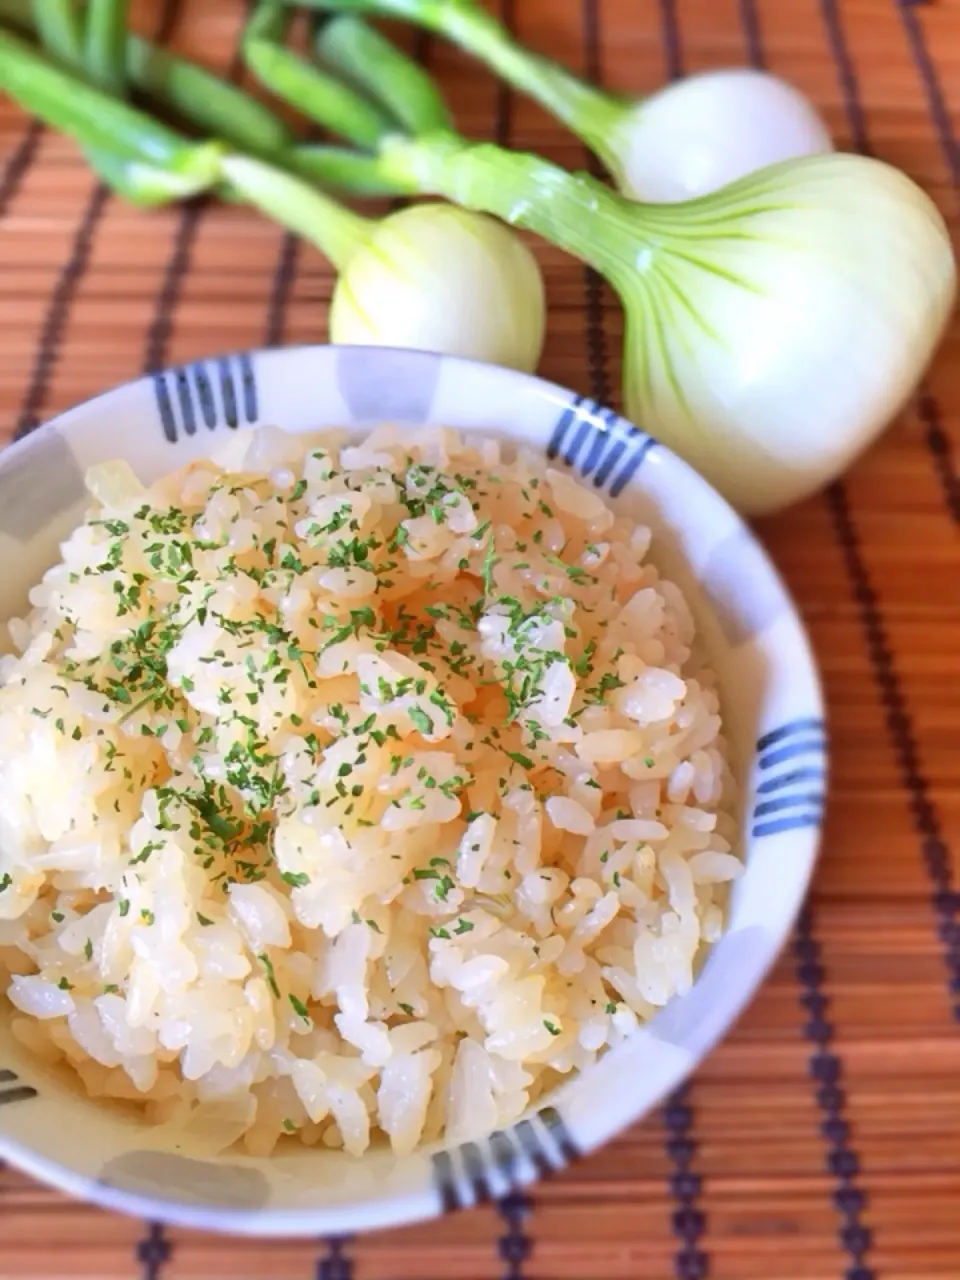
[701, 133]
[432, 276]
[439, 278]
[786, 321]
[773, 328]
[691, 137]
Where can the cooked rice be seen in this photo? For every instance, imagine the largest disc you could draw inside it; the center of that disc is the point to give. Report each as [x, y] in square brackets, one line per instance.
[349, 788]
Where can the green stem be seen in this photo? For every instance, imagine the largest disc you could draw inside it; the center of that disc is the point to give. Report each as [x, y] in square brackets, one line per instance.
[208, 101]
[105, 44]
[335, 230]
[294, 80]
[150, 164]
[196, 95]
[214, 106]
[140, 183]
[592, 114]
[59, 30]
[572, 210]
[375, 64]
[18, 13]
[341, 169]
[97, 120]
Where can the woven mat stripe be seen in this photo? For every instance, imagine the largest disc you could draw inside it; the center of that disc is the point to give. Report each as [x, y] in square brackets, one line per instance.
[19, 162]
[934, 850]
[826, 1065]
[926, 819]
[937, 440]
[153, 1252]
[333, 1262]
[58, 312]
[930, 77]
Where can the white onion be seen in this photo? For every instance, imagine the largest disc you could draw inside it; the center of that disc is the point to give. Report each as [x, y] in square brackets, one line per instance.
[700, 133]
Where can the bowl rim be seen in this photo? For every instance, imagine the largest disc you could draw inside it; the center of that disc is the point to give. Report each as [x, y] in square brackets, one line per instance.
[396, 1208]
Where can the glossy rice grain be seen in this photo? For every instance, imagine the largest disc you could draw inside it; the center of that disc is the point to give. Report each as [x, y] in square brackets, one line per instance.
[353, 791]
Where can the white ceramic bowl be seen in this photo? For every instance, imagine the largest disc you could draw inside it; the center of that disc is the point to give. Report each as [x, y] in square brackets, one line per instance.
[774, 718]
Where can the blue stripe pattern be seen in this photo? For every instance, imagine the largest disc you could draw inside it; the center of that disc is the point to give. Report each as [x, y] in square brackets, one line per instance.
[599, 444]
[792, 793]
[214, 393]
[19, 1093]
[463, 1176]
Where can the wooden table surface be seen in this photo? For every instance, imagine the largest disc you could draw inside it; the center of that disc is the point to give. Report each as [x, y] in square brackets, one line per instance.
[822, 1139]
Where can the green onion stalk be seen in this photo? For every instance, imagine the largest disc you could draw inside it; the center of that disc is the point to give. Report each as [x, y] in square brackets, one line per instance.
[773, 327]
[105, 43]
[690, 137]
[185, 91]
[92, 47]
[431, 276]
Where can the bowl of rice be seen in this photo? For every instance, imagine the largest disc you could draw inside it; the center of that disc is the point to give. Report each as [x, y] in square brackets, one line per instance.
[408, 771]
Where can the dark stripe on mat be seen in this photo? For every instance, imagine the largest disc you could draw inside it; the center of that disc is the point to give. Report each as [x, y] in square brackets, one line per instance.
[670, 35]
[825, 1065]
[334, 1263]
[688, 1221]
[153, 1252]
[945, 899]
[926, 67]
[826, 1072]
[938, 442]
[58, 312]
[514, 1245]
[284, 276]
[926, 820]
[19, 162]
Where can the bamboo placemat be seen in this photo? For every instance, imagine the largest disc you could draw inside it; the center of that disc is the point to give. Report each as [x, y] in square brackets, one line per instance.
[822, 1139]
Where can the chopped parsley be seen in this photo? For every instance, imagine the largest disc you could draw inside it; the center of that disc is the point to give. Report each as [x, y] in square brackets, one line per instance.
[420, 719]
[519, 758]
[299, 1008]
[271, 977]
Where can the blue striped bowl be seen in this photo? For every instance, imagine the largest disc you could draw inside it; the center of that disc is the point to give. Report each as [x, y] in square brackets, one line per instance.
[773, 713]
